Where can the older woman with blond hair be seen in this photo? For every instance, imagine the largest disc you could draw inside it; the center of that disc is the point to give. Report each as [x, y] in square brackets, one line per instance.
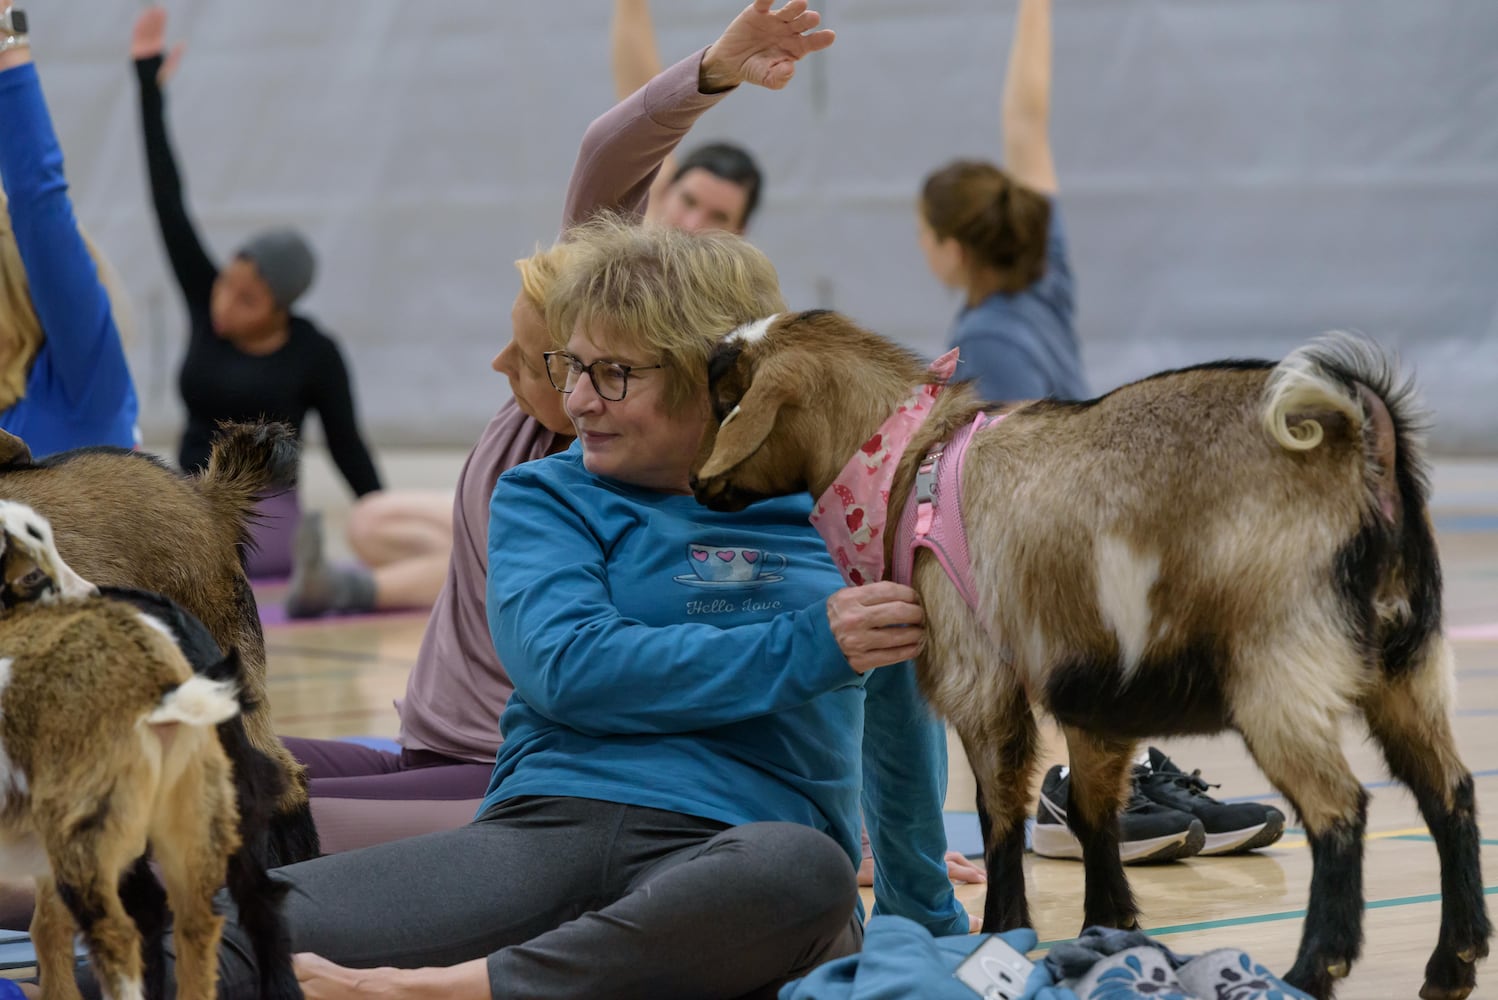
[701, 710]
[64, 382]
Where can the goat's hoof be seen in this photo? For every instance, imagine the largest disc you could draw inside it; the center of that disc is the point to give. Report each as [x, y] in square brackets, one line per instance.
[1338, 969]
[1429, 992]
[1450, 975]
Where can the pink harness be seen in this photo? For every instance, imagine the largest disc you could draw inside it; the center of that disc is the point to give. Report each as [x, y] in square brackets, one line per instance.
[932, 518]
[851, 516]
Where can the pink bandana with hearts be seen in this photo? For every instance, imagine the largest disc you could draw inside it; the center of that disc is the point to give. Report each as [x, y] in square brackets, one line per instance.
[851, 516]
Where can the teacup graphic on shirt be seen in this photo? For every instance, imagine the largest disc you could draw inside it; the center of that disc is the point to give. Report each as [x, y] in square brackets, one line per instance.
[731, 565]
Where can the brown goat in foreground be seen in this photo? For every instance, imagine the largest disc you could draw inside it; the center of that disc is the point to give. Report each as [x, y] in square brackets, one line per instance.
[124, 519]
[1238, 546]
[107, 746]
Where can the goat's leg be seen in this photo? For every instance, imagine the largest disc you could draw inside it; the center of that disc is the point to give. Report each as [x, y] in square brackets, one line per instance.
[1001, 752]
[1408, 717]
[52, 930]
[1297, 745]
[197, 835]
[145, 900]
[1099, 774]
[87, 883]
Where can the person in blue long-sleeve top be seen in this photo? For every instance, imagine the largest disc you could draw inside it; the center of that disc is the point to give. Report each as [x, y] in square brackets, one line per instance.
[701, 710]
[64, 381]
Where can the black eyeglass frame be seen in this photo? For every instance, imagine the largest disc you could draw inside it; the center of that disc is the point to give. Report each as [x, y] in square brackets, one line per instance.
[576, 368]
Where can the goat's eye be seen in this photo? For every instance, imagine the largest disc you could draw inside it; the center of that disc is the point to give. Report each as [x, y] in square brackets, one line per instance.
[35, 578]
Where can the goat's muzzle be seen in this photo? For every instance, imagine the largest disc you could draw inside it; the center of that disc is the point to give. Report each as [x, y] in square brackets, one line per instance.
[717, 493]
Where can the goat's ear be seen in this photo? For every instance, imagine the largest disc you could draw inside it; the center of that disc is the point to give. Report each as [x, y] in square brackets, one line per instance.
[13, 450]
[747, 425]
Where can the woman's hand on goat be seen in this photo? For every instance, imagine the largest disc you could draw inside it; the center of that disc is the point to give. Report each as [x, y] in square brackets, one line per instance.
[877, 624]
[762, 46]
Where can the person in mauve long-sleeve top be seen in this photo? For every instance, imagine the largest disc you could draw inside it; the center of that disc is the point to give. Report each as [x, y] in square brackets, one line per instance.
[249, 356]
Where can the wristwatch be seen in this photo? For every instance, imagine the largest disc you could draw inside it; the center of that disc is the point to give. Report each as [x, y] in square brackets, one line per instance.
[13, 29]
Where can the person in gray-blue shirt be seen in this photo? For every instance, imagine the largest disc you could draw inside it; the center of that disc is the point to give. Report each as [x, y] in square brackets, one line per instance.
[996, 234]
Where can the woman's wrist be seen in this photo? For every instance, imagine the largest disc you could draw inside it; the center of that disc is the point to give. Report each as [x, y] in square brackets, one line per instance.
[20, 55]
[712, 76]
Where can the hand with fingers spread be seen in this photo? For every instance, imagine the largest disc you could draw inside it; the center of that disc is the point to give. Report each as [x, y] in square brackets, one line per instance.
[877, 624]
[149, 40]
[762, 46]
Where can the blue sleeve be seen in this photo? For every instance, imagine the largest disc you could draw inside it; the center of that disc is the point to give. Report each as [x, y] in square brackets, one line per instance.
[576, 660]
[904, 787]
[83, 349]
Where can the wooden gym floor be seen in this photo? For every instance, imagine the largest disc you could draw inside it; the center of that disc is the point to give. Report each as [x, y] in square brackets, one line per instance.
[338, 678]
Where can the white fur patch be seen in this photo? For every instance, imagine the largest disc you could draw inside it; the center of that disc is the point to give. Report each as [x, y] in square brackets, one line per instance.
[751, 333]
[12, 779]
[198, 702]
[157, 624]
[1124, 579]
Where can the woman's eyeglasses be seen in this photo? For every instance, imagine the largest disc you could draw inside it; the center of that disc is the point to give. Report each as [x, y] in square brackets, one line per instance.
[610, 380]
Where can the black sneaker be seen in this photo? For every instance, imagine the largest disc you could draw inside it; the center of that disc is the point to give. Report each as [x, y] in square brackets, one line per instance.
[1231, 827]
[1147, 832]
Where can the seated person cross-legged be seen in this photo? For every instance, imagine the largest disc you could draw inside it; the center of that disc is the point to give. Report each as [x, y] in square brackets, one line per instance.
[675, 808]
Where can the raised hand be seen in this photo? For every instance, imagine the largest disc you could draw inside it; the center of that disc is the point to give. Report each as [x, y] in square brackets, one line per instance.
[149, 39]
[762, 46]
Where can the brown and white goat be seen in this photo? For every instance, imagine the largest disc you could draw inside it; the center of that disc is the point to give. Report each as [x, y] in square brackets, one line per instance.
[1240, 546]
[124, 519]
[106, 748]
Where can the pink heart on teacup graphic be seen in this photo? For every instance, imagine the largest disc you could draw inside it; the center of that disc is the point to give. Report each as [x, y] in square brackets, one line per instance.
[732, 563]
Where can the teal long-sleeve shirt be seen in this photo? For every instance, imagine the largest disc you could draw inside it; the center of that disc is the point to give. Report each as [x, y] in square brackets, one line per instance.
[669, 656]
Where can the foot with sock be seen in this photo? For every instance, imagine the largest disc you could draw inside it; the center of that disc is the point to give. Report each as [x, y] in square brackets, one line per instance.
[318, 588]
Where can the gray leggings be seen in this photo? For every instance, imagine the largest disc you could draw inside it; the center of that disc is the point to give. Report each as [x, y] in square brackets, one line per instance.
[579, 898]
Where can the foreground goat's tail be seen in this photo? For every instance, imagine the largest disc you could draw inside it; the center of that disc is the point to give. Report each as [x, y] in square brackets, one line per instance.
[1345, 375]
[247, 462]
[197, 701]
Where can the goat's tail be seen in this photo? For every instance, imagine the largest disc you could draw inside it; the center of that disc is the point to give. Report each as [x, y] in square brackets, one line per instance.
[1336, 373]
[1345, 375]
[197, 701]
[248, 461]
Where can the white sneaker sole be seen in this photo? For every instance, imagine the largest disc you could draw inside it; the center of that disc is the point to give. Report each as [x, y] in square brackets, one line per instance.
[1248, 839]
[1054, 840]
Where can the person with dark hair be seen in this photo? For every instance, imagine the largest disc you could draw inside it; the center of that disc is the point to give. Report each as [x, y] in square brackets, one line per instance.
[716, 186]
[402, 538]
[249, 355]
[64, 380]
[996, 235]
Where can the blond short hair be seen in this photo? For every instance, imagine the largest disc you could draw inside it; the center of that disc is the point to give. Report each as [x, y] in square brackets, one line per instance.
[539, 271]
[666, 293]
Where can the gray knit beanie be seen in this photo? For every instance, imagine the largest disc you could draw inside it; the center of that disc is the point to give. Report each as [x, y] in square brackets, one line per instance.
[284, 260]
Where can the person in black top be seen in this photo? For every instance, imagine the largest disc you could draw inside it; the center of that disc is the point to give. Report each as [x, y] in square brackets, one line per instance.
[249, 356]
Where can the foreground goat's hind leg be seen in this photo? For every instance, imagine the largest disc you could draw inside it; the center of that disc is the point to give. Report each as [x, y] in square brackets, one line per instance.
[1408, 718]
[1297, 745]
[1099, 770]
[113, 942]
[200, 827]
[1002, 758]
[52, 930]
